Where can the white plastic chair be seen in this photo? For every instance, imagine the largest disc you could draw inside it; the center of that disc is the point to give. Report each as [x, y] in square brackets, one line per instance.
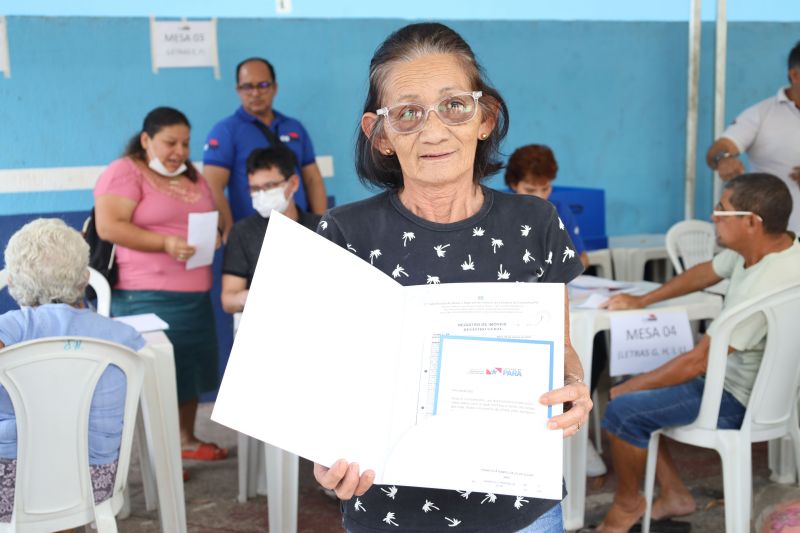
[691, 242]
[96, 282]
[282, 475]
[50, 382]
[771, 412]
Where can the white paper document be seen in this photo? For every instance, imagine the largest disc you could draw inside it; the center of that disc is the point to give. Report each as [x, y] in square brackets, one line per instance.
[433, 385]
[644, 340]
[143, 323]
[593, 282]
[203, 236]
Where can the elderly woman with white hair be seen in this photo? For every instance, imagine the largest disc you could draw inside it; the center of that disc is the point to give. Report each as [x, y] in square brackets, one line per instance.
[47, 264]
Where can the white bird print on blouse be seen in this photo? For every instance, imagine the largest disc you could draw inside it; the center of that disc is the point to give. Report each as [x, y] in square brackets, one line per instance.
[468, 264]
[568, 254]
[525, 230]
[350, 247]
[491, 498]
[496, 243]
[398, 271]
[520, 502]
[502, 274]
[433, 280]
[560, 224]
[549, 259]
[358, 506]
[429, 506]
[453, 521]
[540, 273]
[527, 257]
[323, 224]
[408, 236]
[390, 492]
[374, 254]
[478, 232]
[390, 519]
[464, 493]
[440, 249]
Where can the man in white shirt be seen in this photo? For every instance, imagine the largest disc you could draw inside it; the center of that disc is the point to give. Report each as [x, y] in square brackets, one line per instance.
[769, 132]
[750, 221]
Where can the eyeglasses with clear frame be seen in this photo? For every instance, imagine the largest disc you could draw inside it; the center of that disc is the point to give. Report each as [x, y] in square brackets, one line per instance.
[410, 117]
[720, 212]
[267, 186]
[250, 87]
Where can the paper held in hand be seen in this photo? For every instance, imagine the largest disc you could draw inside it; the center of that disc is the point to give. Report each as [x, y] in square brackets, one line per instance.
[432, 385]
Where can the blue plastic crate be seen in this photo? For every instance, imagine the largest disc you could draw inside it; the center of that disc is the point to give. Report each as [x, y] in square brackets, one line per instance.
[589, 207]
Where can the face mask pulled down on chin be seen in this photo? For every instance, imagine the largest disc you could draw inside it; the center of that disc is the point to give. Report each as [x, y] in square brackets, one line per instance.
[265, 201]
[156, 165]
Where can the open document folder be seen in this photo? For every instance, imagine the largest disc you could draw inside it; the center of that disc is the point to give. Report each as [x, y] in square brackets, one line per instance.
[433, 385]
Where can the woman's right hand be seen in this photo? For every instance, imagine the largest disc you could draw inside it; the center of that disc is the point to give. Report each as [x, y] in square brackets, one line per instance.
[178, 248]
[344, 479]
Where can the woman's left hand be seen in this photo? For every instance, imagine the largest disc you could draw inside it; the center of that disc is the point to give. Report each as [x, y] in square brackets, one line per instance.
[577, 405]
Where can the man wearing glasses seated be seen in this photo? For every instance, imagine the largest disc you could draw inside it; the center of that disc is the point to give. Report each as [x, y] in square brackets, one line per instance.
[750, 220]
[272, 184]
[256, 124]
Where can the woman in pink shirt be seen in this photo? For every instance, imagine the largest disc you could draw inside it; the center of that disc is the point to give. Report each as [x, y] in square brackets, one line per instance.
[142, 204]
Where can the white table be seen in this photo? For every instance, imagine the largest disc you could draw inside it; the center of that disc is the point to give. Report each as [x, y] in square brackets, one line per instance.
[584, 324]
[159, 409]
[631, 252]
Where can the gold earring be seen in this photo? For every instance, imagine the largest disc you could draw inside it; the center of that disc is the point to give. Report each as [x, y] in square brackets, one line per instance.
[484, 136]
[389, 151]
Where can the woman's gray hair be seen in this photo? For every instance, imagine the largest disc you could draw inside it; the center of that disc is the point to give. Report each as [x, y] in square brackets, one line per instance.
[47, 262]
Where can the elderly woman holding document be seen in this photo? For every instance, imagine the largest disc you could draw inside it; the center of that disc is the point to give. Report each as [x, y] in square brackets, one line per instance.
[429, 134]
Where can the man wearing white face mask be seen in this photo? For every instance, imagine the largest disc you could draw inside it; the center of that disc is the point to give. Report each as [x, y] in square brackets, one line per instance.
[273, 181]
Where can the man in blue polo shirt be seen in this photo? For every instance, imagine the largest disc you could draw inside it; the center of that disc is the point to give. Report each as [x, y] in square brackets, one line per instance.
[257, 125]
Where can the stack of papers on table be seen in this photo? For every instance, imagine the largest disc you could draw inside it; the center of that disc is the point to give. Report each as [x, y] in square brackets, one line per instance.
[432, 385]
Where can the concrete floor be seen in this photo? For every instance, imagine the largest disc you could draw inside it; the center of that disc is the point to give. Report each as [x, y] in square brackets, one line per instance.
[212, 506]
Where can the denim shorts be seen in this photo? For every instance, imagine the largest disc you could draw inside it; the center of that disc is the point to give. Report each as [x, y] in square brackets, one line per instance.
[633, 417]
[549, 522]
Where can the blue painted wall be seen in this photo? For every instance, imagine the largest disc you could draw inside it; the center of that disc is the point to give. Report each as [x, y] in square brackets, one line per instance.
[609, 97]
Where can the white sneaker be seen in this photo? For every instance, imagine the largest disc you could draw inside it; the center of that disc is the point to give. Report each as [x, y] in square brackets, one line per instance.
[594, 463]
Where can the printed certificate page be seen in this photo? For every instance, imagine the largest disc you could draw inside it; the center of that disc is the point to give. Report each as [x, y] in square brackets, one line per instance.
[486, 353]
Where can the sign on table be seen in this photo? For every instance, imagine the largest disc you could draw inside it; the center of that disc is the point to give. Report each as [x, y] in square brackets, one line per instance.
[180, 44]
[644, 340]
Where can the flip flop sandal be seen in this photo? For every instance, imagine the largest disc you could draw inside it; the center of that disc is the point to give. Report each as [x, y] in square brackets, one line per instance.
[206, 451]
[667, 525]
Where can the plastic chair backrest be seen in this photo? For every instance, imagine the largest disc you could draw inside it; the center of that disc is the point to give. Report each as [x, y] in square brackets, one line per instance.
[775, 390]
[96, 281]
[689, 243]
[51, 382]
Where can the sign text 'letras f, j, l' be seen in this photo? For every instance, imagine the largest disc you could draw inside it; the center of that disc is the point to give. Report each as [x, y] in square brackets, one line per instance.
[642, 341]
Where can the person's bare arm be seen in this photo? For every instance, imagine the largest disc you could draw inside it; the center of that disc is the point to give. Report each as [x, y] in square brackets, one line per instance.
[315, 188]
[217, 178]
[113, 220]
[574, 393]
[728, 167]
[697, 278]
[584, 260]
[234, 293]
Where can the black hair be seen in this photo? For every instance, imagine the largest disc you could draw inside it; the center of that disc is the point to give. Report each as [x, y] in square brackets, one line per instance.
[765, 195]
[794, 57]
[262, 60]
[156, 120]
[406, 44]
[279, 157]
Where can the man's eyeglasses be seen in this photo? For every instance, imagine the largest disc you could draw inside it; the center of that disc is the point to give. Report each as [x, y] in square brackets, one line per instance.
[720, 212]
[267, 186]
[452, 110]
[250, 87]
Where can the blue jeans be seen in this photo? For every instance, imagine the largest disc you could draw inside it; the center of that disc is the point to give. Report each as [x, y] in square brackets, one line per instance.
[635, 416]
[549, 522]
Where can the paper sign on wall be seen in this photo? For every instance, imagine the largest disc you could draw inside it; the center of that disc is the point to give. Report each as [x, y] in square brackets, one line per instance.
[5, 64]
[642, 341]
[180, 44]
